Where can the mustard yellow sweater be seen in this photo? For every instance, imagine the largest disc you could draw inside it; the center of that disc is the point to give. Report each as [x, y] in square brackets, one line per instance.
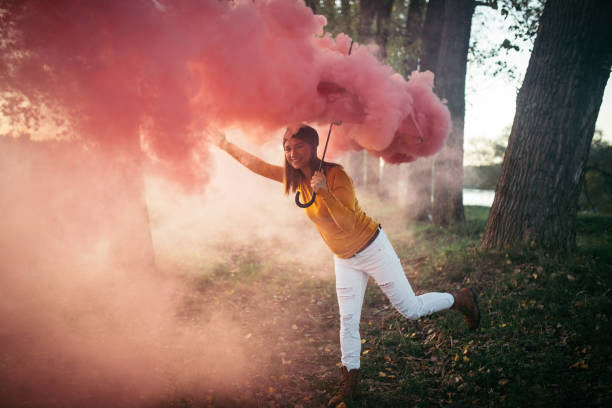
[343, 225]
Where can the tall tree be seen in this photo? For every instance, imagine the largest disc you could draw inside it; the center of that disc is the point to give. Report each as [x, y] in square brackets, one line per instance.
[432, 35]
[373, 27]
[386, 179]
[312, 4]
[43, 80]
[557, 106]
[383, 20]
[420, 173]
[452, 67]
[413, 41]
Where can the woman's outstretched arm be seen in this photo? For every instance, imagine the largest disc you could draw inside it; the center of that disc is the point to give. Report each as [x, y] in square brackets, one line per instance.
[251, 162]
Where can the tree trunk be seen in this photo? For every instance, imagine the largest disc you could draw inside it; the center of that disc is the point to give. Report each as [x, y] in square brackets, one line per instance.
[452, 66]
[372, 11]
[384, 179]
[420, 173]
[345, 17]
[383, 20]
[418, 200]
[537, 194]
[312, 4]
[366, 20]
[413, 40]
[131, 189]
[432, 36]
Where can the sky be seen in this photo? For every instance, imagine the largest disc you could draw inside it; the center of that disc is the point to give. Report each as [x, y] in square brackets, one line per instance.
[490, 111]
[491, 101]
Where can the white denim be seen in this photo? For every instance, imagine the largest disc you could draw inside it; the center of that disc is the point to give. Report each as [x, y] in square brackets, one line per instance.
[379, 261]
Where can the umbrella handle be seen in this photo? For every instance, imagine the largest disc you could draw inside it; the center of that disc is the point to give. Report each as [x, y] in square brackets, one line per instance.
[305, 205]
[337, 123]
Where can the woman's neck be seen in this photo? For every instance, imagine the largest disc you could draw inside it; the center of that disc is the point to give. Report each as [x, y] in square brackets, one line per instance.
[307, 171]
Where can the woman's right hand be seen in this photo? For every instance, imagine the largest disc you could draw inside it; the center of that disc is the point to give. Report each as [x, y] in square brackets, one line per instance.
[216, 137]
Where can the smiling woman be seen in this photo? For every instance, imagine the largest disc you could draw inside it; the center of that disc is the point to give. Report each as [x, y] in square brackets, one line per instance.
[360, 246]
[300, 161]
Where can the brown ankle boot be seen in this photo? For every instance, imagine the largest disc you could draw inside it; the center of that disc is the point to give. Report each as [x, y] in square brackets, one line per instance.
[466, 302]
[349, 387]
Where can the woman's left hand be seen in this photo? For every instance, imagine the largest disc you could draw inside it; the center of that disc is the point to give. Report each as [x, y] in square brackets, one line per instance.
[318, 181]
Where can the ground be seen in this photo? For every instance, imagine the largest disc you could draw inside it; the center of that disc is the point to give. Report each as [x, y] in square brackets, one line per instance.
[543, 339]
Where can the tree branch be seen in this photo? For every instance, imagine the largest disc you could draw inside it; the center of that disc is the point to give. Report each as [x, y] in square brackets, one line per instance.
[492, 4]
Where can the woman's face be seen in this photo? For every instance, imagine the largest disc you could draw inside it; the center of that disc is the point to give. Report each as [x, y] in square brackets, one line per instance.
[297, 152]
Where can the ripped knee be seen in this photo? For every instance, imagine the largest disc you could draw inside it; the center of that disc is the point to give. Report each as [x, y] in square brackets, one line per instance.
[348, 324]
[345, 293]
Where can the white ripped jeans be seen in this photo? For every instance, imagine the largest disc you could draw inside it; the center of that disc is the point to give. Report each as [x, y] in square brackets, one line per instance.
[379, 261]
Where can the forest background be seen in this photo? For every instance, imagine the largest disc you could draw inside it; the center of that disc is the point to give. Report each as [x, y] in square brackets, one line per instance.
[119, 286]
[500, 45]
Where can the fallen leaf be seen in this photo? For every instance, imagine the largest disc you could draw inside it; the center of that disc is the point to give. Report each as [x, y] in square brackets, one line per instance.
[580, 364]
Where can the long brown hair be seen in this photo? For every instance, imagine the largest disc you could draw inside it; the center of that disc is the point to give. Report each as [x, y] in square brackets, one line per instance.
[294, 177]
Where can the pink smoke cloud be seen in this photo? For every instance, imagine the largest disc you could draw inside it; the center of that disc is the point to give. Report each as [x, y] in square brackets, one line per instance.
[155, 74]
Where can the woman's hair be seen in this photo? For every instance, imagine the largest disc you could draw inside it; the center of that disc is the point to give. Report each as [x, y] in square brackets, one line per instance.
[293, 177]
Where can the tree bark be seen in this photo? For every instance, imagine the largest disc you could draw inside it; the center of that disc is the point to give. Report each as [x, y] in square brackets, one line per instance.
[420, 173]
[536, 198]
[413, 41]
[418, 199]
[452, 66]
[383, 20]
[432, 36]
[366, 20]
[365, 167]
[312, 4]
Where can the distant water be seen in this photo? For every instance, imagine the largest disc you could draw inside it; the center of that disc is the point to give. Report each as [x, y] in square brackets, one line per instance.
[474, 196]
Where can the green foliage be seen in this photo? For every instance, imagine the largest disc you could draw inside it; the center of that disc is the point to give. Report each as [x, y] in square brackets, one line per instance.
[482, 177]
[345, 17]
[518, 20]
[489, 154]
[596, 194]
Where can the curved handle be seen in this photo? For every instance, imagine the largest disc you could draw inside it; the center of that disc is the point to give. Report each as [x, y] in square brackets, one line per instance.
[305, 205]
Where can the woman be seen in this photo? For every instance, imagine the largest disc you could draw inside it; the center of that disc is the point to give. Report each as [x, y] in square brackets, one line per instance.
[360, 246]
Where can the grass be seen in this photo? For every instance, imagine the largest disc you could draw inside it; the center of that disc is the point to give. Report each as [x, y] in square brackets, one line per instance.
[544, 339]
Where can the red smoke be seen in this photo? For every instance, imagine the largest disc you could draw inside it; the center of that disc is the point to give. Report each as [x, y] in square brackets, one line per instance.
[158, 72]
[82, 318]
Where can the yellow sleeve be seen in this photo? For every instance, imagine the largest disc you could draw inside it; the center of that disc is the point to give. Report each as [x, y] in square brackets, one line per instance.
[340, 199]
